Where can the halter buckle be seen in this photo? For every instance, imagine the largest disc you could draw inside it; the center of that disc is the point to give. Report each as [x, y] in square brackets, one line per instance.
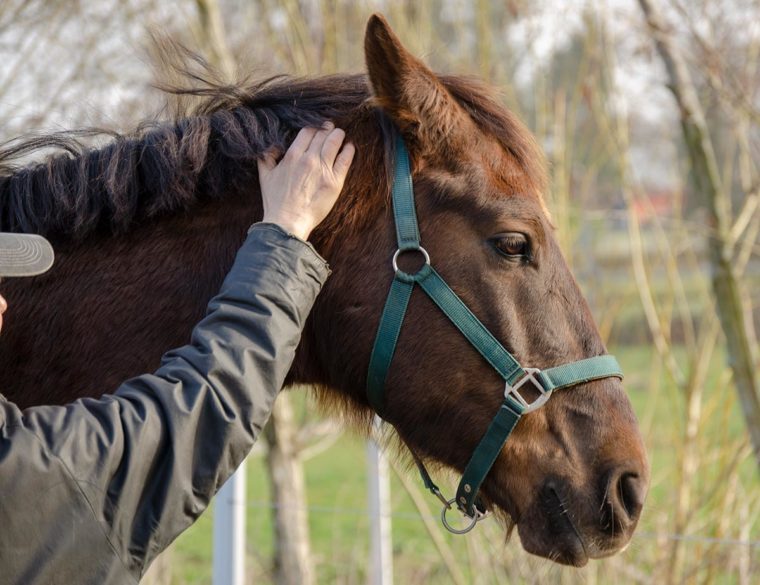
[511, 390]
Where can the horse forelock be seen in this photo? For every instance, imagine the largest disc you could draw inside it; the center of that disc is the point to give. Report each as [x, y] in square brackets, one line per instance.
[486, 109]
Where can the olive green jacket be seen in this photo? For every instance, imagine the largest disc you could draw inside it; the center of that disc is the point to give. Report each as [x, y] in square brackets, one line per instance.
[91, 492]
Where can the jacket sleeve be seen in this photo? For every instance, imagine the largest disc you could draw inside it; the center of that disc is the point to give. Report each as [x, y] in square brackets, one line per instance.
[149, 458]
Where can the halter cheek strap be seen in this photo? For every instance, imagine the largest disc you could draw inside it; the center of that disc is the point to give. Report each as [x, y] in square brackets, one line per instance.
[516, 377]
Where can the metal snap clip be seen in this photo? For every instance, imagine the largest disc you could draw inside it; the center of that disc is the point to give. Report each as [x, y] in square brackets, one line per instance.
[473, 519]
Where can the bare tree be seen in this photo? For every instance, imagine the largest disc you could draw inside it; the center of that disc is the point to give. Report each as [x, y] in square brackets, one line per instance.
[292, 562]
[734, 317]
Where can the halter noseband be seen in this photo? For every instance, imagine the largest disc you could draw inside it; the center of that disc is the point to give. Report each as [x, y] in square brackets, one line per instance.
[514, 375]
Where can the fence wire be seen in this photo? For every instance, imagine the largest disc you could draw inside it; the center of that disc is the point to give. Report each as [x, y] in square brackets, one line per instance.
[691, 538]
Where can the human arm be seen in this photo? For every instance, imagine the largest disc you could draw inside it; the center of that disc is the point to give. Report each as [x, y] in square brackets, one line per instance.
[146, 460]
[94, 490]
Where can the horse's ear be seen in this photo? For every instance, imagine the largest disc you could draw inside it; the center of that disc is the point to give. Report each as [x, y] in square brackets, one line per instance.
[409, 92]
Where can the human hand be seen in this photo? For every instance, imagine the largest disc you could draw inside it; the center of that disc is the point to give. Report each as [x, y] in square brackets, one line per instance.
[300, 190]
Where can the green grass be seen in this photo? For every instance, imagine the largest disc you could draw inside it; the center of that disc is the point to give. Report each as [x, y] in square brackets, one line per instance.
[338, 520]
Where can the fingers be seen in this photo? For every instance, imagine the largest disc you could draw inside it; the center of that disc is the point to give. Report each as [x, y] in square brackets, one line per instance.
[315, 148]
[322, 143]
[331, 147]
[343, 162]
[302, 142]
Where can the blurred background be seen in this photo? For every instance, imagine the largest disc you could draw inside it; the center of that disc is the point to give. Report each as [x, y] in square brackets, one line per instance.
[649, 113]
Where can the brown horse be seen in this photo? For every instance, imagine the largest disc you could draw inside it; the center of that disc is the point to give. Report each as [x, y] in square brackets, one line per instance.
[146, 227]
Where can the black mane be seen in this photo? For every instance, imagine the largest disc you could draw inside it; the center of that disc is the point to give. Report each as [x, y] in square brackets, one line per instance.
[163, 167]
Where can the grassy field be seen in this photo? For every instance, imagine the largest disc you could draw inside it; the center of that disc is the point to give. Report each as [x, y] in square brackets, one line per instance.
[725, 505]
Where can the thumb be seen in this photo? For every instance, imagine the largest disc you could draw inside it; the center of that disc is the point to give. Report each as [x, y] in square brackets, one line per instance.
[267, 162]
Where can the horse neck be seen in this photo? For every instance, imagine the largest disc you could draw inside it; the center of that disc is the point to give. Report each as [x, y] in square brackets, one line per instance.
[113, 305]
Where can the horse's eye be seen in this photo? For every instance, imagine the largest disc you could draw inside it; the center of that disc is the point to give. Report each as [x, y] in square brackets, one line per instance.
[512, 245]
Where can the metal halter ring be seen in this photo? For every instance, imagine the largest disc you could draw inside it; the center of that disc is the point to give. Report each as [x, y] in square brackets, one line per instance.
[530, 376]
[473, 519]
[399, 251]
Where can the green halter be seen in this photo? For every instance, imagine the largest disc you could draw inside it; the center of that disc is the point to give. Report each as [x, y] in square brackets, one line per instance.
[514, 375]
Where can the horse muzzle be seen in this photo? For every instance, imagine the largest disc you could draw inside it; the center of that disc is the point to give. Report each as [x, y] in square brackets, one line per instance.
[570, 527]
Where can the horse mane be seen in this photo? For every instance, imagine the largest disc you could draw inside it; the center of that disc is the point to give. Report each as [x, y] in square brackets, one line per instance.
[163, 167]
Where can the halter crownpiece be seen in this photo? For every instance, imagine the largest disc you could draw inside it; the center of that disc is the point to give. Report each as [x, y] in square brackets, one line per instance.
[516, 377]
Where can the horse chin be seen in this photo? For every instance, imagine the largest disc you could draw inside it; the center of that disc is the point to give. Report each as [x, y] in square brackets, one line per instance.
[566, 547]
[548, 531]
[556, 537]
[557, 540]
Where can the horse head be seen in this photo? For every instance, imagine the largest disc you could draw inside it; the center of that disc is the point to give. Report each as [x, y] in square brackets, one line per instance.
[573, 475]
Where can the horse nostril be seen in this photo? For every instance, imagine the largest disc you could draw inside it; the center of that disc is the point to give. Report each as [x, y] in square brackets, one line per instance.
[630, 490]
[623, 499]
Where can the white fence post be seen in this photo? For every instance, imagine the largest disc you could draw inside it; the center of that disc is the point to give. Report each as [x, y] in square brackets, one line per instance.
[229, 531]
[379, 496]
